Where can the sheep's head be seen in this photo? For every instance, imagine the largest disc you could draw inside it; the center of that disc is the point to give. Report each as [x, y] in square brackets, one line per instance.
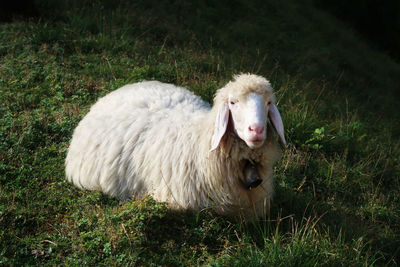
[247, 102]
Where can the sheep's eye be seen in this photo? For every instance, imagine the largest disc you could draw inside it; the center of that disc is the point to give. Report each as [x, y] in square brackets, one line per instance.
[232, 103]
[269, 103]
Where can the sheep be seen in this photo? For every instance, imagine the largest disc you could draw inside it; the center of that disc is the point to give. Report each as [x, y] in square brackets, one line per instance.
[159, 140]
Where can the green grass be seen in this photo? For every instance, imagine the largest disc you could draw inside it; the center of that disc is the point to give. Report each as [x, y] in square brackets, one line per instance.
[337, 196]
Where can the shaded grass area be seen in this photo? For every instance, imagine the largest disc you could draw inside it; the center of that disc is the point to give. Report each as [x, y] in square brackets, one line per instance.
[337, 199]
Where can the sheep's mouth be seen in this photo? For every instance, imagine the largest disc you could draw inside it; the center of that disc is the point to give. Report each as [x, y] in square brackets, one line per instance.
[255, 143]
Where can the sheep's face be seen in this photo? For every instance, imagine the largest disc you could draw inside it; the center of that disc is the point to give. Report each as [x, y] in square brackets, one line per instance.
[247, 103]
[249, 117]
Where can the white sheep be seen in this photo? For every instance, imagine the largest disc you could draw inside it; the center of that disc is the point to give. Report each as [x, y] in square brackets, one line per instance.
[152, 138]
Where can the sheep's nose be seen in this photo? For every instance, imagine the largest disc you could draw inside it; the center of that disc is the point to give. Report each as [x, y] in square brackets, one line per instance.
[256, 128]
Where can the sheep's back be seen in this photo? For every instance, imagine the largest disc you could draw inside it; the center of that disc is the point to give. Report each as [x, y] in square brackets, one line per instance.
[111, 148]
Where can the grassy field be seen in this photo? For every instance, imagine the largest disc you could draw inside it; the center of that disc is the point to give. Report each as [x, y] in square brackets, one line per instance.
[337, 200]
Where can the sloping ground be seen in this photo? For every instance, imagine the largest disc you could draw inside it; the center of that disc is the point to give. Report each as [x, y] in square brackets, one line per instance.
[337, 200]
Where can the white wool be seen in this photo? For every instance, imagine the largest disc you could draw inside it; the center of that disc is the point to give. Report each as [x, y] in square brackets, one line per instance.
[152, 138]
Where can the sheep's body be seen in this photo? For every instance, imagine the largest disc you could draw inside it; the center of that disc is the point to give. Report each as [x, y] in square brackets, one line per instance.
[152, 138]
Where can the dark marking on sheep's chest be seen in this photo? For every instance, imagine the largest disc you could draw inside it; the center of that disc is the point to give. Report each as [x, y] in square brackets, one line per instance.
[251, 178]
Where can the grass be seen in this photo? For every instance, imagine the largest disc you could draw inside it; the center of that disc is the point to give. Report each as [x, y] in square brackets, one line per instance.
[337, 185]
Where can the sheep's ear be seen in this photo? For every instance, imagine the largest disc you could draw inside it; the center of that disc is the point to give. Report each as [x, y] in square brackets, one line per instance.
[221, 124]
[276, 120]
